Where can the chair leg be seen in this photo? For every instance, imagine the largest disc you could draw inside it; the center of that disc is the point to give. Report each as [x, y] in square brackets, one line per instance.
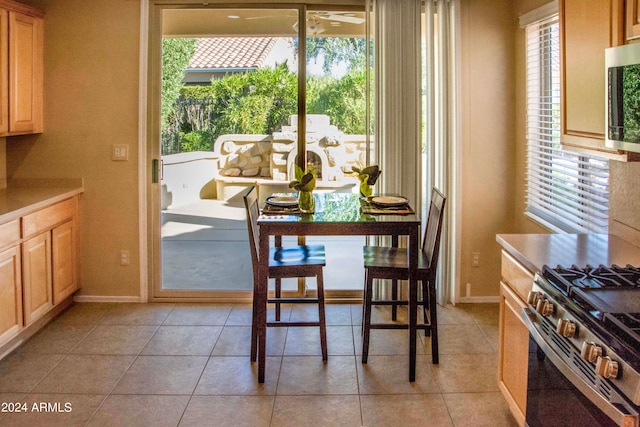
[254, 328]
[426, 305]
[366, 319]
[394, 297]
[321, 314]
[364, 300]
[278, 295]
[433, 318]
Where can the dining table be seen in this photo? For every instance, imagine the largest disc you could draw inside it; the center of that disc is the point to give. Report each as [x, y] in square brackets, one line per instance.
[336, 214]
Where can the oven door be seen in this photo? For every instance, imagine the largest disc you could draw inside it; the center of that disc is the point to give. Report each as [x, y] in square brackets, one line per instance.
[557, 395]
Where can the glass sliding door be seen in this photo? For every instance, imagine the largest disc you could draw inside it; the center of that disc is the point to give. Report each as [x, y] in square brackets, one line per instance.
[337, 125]
[228, 96]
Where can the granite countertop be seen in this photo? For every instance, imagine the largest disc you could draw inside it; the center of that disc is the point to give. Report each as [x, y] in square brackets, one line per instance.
[536, 250]
[25, 196]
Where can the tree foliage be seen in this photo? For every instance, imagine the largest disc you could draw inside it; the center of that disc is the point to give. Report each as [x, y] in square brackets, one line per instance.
[335, 50]
[260, 102]
[176, 54]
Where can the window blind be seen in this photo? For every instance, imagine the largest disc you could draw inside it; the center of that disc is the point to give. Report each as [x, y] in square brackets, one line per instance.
[566, 191]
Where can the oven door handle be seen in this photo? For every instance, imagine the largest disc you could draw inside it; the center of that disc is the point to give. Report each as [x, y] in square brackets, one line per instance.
[612, 411]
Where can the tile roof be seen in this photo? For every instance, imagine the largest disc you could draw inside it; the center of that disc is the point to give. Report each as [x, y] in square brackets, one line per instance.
[231, 52]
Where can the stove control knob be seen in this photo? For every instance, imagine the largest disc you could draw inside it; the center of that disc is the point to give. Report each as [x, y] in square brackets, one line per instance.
[544, 307]
[590, 351]
[566, 328]
[607, 368]
[533, 298]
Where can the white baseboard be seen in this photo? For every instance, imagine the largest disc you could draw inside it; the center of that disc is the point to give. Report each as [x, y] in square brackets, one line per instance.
[99, 298]
[480, 299]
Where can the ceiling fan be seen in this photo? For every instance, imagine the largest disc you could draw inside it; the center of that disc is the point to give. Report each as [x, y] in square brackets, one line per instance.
[315, 24]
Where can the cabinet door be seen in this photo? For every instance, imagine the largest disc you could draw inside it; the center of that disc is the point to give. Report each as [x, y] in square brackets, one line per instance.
[36, 265]
[514, 353]
[633, 20]
[63, 260]
[25, 73]
[4, 71]
[10, 293]
[587, 29]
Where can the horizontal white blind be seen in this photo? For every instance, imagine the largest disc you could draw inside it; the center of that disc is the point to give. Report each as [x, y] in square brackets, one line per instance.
[567, 190]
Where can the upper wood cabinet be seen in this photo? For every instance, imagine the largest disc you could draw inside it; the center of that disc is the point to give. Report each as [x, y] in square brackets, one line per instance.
[587, 28]
[632, 20]
[21, 69]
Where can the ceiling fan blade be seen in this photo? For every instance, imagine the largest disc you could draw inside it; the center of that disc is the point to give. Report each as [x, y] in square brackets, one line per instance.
[342, 18]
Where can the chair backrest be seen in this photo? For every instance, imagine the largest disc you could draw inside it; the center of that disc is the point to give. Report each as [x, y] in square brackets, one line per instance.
[433, 229]
[253, 212]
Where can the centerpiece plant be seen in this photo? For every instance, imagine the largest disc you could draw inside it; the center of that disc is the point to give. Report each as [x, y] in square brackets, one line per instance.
[367, 176]
[304, 184]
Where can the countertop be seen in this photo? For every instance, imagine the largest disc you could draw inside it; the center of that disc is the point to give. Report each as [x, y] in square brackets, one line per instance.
[536, 250]
[25, 196]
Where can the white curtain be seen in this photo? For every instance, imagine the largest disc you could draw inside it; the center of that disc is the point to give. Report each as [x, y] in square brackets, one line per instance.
[442, 146]
[398, 96]
[400, 76]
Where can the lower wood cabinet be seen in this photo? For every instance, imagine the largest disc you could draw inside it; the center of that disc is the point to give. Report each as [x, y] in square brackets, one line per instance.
[38, 266]
[513, 357]
[37, 283]
[10, 293]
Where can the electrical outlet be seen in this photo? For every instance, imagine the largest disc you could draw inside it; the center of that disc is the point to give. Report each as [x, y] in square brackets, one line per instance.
[124, 257]
[475, 259]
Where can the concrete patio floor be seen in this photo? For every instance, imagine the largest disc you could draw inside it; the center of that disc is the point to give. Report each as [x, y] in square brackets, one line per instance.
[205, 246]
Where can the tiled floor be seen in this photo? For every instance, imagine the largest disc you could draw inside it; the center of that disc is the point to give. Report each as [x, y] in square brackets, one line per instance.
[188, 365]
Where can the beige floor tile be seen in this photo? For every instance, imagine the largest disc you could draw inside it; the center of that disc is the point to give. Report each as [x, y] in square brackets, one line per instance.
[405, 410]
[338, 314]
[478, 410]
[466, 373]
[356, 314]
[484, 314]
[462, 339]
[454, 315]
[492, 333]
[387, 342]
[225, 375]
[390, 375]
[301, 411]
[309, 375]
[90, 374]
[57, 338]
[20, 372]
[240, 315]
[305, 341]
[87, 313]
[115, 339]
[162, 375]
[236, 341]
[55, 410]
[140, 411]
[237, 411]
[198, 314]
[183, 341]
[137, 314]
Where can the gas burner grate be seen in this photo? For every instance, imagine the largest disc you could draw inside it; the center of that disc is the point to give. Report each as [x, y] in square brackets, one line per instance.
[593, 277]
[625, 326]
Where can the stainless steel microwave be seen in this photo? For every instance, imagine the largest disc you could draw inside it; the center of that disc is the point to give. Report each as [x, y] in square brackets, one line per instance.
[623, 97]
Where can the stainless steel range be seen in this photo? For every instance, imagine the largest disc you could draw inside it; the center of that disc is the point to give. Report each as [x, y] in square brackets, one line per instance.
[586, 320]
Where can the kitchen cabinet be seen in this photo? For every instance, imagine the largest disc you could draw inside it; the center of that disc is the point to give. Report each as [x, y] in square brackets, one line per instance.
[514, 336]
[587, 28]
[632, 20]
[21, 69]
[10, 280]
[49, 257]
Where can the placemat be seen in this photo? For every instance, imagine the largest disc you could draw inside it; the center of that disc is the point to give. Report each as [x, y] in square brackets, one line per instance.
[372, 209]
[279, 210]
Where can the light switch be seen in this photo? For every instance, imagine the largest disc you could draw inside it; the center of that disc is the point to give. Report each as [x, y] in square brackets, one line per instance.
[120, 152]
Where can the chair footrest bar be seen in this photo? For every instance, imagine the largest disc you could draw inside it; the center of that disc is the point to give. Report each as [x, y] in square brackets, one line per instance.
[389, 302]
[292, 300]
[287, 323]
